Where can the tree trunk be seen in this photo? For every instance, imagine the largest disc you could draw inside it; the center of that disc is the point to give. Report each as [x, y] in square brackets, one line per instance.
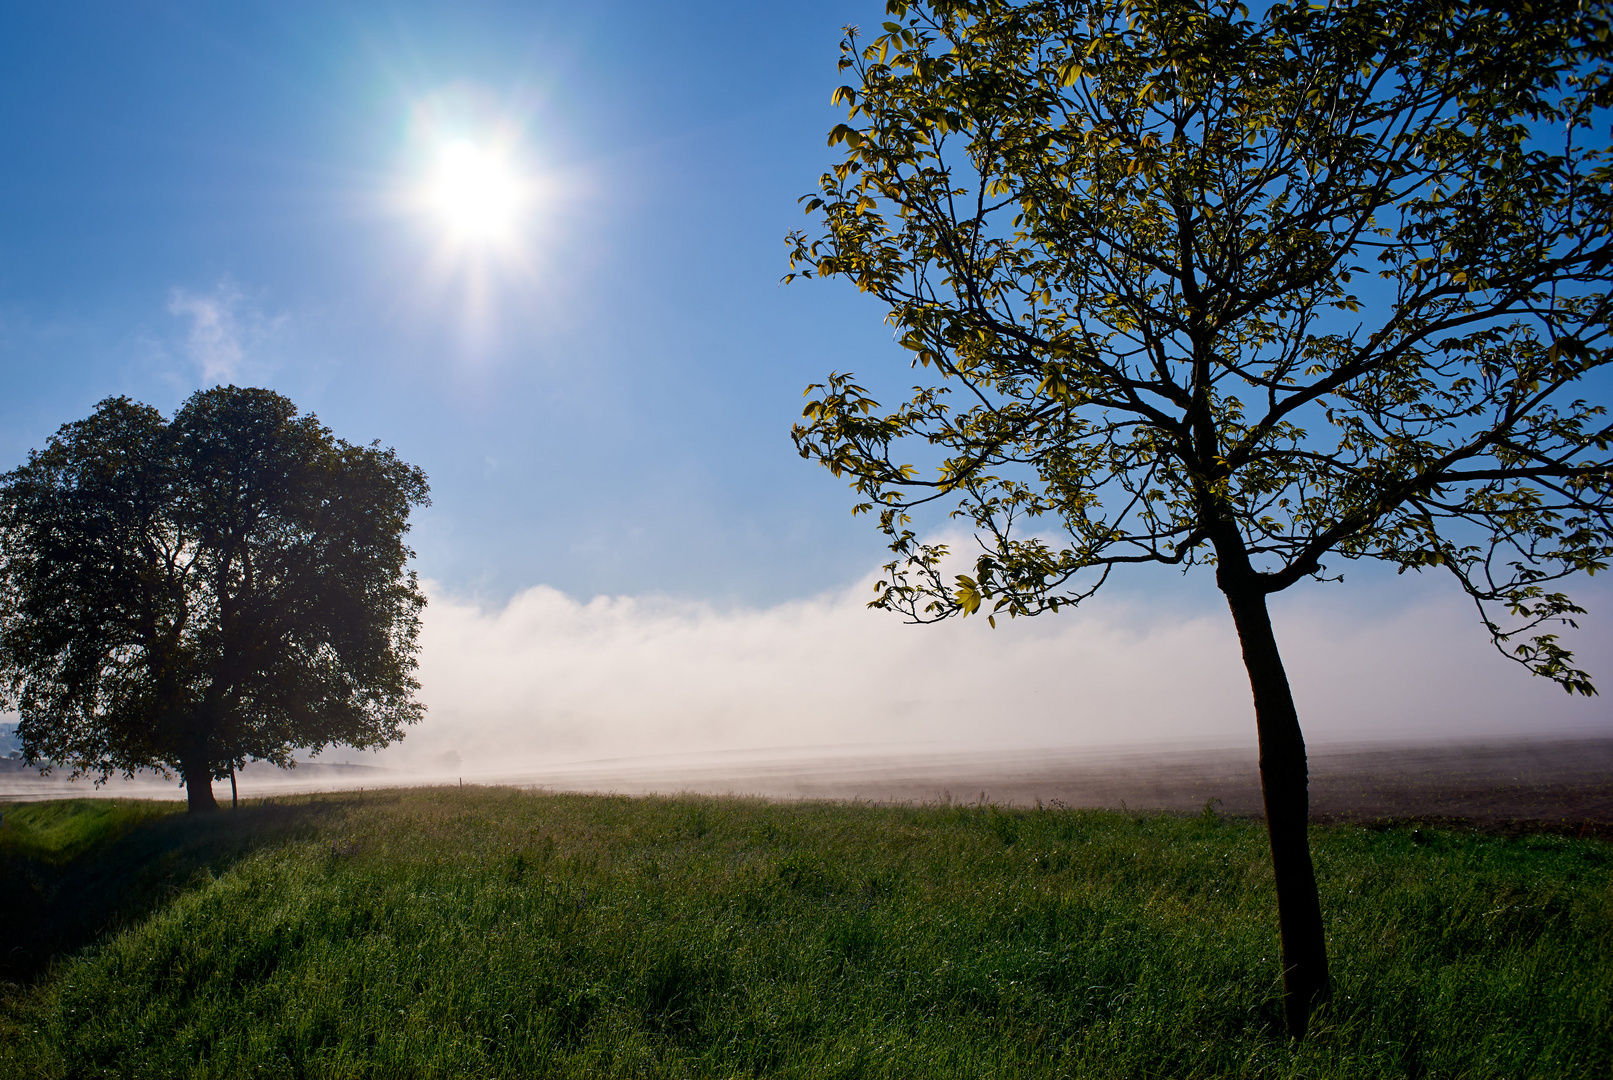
[198, 781]
[1284, 785]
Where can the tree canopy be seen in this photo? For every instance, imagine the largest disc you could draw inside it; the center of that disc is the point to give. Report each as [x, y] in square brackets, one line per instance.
[1189, 285]
[191, 594]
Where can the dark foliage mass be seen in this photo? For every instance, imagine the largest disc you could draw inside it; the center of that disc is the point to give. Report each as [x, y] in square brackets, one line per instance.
[190, 594]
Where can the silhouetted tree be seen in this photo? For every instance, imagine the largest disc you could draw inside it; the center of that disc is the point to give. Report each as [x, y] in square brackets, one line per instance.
[1120, 239]
[187, 595]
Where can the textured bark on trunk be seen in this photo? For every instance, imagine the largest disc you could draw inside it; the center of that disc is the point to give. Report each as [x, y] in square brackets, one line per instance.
[198, 782]
[1284, 783]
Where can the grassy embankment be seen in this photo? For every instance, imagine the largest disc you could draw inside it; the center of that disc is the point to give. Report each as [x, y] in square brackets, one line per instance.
[490, 932]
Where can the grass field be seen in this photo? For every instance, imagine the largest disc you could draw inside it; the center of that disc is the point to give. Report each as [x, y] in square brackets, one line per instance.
[491, 932]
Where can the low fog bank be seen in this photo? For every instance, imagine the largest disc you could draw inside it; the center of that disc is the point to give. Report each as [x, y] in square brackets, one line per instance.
[824, 698]
[546, 680]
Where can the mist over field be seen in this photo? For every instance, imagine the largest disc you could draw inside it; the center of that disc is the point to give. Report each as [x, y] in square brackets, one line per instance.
[546, 678]
[821, 696]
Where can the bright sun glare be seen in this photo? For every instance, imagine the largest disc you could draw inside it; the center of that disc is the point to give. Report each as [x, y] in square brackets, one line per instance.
[477, 193]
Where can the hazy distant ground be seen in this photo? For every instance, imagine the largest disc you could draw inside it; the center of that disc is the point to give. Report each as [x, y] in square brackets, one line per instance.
[1554, 780]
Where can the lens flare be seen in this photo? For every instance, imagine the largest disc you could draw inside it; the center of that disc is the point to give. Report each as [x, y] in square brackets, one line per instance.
[481, 194]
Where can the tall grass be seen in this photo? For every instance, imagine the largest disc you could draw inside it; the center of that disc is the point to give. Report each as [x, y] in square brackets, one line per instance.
[61, 831]
[490, 932]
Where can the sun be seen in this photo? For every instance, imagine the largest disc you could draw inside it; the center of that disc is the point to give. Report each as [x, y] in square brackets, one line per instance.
[477, 193]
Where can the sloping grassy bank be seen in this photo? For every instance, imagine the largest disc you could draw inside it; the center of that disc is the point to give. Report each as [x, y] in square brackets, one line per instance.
[489, 932]
[58, 832]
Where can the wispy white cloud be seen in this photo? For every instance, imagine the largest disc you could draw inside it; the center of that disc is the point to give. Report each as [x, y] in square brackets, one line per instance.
[223, 330]
[547, 678]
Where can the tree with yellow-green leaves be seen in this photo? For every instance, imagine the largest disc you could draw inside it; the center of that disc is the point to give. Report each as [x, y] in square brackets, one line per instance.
[1265, 292]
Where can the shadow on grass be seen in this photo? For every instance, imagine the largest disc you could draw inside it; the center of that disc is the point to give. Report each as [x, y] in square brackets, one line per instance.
[49, 908]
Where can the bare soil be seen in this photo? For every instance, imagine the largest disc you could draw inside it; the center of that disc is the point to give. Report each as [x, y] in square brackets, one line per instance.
[1557, 785]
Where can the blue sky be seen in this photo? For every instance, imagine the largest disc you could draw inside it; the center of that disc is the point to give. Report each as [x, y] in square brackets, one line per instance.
[203, 191]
